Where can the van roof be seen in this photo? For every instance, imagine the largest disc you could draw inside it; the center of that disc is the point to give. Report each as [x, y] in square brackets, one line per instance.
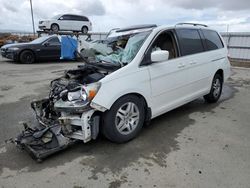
[146, 27]
[136, 27]
[192, 24]
[130, 30]
[183, 25]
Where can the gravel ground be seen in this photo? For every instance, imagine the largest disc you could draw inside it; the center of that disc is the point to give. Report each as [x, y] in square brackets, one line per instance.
[196, 145]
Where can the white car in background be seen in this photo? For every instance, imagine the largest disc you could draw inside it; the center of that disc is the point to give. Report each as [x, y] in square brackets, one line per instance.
[66, 22]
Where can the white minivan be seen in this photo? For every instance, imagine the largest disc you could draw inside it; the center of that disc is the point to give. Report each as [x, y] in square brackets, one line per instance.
[66, 22]
[135, 75]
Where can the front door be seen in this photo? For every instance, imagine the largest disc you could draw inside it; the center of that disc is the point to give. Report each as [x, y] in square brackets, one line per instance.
[51, 49]
[169, 79]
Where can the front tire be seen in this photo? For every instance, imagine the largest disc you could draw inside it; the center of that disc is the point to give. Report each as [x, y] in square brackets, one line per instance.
[54, 27]
[27, 57]
[216, 89]
[124, 120]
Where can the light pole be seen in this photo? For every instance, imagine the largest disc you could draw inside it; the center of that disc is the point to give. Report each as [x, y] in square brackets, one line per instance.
[227, 28]
[31, 8]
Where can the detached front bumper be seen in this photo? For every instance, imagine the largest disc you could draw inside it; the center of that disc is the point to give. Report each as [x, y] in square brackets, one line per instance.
[56, 134]
[42, 142]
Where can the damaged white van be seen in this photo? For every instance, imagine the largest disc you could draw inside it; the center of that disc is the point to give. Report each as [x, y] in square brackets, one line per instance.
[136, 74]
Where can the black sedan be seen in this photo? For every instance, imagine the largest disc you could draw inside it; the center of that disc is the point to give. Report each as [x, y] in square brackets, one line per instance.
[43, 48]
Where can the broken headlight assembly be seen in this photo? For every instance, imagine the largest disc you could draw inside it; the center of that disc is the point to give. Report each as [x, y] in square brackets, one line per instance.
[77, 95]
[78, 99]
[84, 93]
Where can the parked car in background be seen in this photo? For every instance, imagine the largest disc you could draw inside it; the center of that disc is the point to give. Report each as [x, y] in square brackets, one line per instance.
[43, 48]
[66, 22]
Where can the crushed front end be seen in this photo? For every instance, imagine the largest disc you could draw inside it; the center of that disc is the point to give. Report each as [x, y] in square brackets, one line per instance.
[65, 116]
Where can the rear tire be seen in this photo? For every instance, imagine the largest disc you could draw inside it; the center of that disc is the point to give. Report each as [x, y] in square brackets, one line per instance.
[84, 29]
[215, 91]
[124, 120]
[27, 57]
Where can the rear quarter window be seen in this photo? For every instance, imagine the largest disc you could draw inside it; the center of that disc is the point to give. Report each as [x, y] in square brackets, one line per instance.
[212, 39]
[79, 18]
[83, 18]
[189, 41]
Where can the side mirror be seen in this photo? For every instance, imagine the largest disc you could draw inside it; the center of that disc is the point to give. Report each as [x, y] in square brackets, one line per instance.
[159, 55]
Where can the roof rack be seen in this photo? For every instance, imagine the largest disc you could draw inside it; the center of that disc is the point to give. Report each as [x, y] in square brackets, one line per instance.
[114, 29]
[134, 27]
[194, 24]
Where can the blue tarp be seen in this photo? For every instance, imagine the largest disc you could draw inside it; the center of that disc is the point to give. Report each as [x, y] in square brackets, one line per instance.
[68, 47]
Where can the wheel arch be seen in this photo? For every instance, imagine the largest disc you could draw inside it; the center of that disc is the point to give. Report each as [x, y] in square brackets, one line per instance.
[85, 26]
[147, 109]
[148, 112]
[221, 73]
[135, 94]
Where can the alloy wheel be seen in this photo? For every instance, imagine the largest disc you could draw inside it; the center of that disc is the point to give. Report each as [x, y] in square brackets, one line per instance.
[216, 88]
[127, 118]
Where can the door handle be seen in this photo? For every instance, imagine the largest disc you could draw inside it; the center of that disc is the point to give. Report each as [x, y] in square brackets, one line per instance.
[181, 65]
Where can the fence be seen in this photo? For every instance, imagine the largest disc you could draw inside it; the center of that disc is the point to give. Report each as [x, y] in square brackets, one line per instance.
[238, 44]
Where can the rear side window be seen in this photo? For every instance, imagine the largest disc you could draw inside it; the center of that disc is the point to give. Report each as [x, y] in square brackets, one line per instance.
[75, 18]
[190, 41]
[78, 18]
[212, 39]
